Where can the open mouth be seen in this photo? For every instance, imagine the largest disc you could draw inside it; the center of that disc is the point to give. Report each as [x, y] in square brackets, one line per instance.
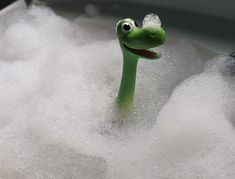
[143, 52]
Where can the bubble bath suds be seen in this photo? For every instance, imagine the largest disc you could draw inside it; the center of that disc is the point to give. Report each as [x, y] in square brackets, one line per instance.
[58, 82]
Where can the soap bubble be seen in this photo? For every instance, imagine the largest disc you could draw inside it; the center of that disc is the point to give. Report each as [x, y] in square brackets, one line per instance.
[151, 20]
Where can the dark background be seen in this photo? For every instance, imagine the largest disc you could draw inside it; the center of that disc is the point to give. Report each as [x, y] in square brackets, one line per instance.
[4, 3]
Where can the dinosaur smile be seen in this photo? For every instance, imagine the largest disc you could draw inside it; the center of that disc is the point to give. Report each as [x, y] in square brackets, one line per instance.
[142, 52]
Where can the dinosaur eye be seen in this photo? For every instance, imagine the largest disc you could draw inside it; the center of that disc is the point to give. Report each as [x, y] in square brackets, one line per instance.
[126, 27]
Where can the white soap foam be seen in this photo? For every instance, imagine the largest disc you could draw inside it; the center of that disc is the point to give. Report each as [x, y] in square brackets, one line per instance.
[151, 20]
[58, 86]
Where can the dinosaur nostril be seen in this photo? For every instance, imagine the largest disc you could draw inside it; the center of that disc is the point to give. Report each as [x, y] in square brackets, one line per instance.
[152, 35]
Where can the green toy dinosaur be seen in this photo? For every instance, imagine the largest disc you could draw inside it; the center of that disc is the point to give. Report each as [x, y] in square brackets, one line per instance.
[134, 43]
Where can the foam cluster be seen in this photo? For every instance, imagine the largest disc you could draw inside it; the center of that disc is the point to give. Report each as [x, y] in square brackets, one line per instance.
[151, 20]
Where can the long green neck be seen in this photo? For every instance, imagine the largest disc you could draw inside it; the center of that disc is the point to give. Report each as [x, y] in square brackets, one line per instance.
[127, 87]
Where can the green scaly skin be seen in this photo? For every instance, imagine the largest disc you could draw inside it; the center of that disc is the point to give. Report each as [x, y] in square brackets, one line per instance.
[135, 43]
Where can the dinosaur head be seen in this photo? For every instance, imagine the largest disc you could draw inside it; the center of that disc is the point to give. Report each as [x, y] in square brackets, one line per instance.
[139, 41]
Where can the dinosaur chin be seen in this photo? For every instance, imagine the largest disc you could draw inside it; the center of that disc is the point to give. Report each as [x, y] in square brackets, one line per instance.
[145, 53]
